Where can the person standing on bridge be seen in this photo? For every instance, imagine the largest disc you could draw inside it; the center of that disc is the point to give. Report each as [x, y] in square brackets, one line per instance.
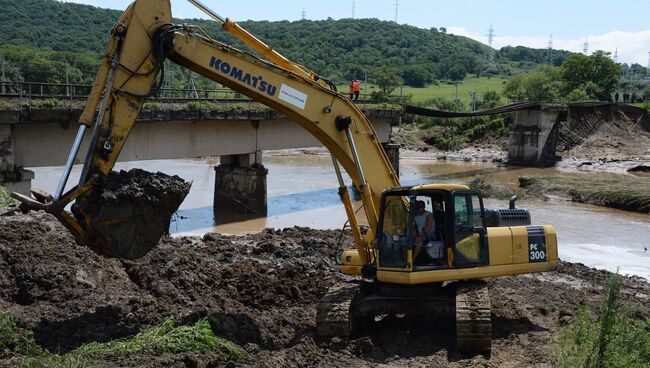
[351, 90]
[356, 88]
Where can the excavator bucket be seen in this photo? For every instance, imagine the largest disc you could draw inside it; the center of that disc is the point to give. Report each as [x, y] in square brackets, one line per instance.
[131, 211]
[124, 215]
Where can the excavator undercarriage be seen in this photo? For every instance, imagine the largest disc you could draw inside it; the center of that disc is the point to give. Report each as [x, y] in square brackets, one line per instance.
[347, 308]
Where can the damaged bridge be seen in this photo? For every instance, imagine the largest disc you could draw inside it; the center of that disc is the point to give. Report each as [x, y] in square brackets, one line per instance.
[534, 136]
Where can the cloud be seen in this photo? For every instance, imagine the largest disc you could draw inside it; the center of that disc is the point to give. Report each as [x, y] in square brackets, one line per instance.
[632, 47]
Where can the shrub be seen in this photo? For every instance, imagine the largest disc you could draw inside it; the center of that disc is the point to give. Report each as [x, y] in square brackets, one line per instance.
[611, 340]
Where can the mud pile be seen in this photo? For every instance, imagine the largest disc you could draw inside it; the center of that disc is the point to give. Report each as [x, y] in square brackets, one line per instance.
[607, 131]
[263, 289]
[131, 212]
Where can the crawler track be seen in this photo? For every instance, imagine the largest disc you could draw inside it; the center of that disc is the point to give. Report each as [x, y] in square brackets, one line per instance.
[473, 319]
[333, 312]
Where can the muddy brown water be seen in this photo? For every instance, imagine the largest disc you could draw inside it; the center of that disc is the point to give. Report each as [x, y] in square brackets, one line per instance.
[302, 192]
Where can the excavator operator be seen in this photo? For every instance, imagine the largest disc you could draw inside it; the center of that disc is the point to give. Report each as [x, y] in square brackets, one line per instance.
[424, 227]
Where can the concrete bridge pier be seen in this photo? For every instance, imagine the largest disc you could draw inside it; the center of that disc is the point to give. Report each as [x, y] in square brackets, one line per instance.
[392, 151]
[240, 188]
[12, 177]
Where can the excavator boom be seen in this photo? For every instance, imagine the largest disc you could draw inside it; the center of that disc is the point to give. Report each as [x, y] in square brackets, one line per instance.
[142, 39]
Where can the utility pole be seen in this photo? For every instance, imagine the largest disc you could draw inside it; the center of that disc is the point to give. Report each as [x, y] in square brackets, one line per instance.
[396, 9]
[67, 80]
[2, 69]
[353, 8]
[585, 46]
[549, 53]
[474, 95]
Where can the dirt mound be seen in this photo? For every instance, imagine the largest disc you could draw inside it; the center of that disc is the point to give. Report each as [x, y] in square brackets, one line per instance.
[612, 131]
[263, 290]
[131, 212]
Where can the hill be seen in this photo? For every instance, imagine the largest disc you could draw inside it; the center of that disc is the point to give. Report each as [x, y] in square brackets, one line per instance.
[40, 31]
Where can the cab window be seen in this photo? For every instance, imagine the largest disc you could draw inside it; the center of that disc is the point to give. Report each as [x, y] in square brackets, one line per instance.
[393, 241]
[467, 215]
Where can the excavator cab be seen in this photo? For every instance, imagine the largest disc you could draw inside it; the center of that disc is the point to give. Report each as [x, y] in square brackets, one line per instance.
[457, 237]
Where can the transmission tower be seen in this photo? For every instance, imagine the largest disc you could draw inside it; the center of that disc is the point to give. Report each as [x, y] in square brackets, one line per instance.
[616, 56]
[303, 15]
[649, 61]
[191, 91]
[549, 52]
[354, 7]
[491, 36]
[396, 9]
[585, 46]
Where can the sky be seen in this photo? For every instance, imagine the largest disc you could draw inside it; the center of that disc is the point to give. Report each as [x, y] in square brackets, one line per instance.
[612, 26]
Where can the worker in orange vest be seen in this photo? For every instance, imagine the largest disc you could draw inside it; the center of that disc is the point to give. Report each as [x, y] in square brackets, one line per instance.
[351, 90]
[356, 88]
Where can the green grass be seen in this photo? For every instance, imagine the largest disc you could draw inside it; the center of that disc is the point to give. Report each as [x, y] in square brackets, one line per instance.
[612, 339]
[442, 89]
[625, 192]
[166, 338]
[5, 198]
[448, 91]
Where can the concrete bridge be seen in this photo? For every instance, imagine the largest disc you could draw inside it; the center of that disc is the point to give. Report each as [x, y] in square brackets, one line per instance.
[43, 137]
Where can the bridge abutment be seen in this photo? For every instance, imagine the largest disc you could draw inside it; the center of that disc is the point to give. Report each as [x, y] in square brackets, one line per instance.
[534, 137]
[240, 188]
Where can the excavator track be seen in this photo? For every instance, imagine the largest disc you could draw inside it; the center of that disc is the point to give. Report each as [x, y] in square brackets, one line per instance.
[333, 318]
[473, 319]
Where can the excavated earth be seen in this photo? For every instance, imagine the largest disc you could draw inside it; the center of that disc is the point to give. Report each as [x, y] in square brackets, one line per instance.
[263, 288]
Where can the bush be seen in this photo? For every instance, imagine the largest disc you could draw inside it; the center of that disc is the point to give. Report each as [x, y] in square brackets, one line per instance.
[47, 103]
[5, 198]
[611, 340]
[14, 341]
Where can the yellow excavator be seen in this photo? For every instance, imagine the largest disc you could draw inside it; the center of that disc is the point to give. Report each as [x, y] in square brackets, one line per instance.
[401, 267]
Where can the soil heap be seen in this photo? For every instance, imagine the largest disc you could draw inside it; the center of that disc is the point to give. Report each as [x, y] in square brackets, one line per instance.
[263, 289]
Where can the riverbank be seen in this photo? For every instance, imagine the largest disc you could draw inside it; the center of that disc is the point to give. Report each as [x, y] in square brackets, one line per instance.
[261, 291]
[625, 192]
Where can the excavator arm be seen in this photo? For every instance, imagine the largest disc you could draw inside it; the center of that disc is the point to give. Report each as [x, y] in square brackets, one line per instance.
[144, 37]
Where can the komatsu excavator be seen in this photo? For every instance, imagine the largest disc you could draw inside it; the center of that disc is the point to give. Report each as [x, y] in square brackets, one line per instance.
[467, 243]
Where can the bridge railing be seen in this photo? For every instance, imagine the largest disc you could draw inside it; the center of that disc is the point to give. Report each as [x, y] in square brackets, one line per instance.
[27, 91]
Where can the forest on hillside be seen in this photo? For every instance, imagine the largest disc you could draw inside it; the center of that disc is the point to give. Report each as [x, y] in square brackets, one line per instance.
[51, 41]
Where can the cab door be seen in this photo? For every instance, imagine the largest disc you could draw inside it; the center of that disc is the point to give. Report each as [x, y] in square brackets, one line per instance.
[468, 231]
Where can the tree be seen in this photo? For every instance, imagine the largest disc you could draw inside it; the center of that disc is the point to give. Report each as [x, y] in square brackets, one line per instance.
[386, 79]
[457, 72]
[416, 76]
[543, 84]
[491, 99]
[514, 89]
[578, 70]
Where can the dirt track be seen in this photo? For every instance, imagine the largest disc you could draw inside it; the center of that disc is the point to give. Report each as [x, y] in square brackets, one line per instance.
[264, 289]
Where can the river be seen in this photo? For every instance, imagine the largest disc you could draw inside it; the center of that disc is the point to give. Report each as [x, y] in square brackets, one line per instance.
[302, 191]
